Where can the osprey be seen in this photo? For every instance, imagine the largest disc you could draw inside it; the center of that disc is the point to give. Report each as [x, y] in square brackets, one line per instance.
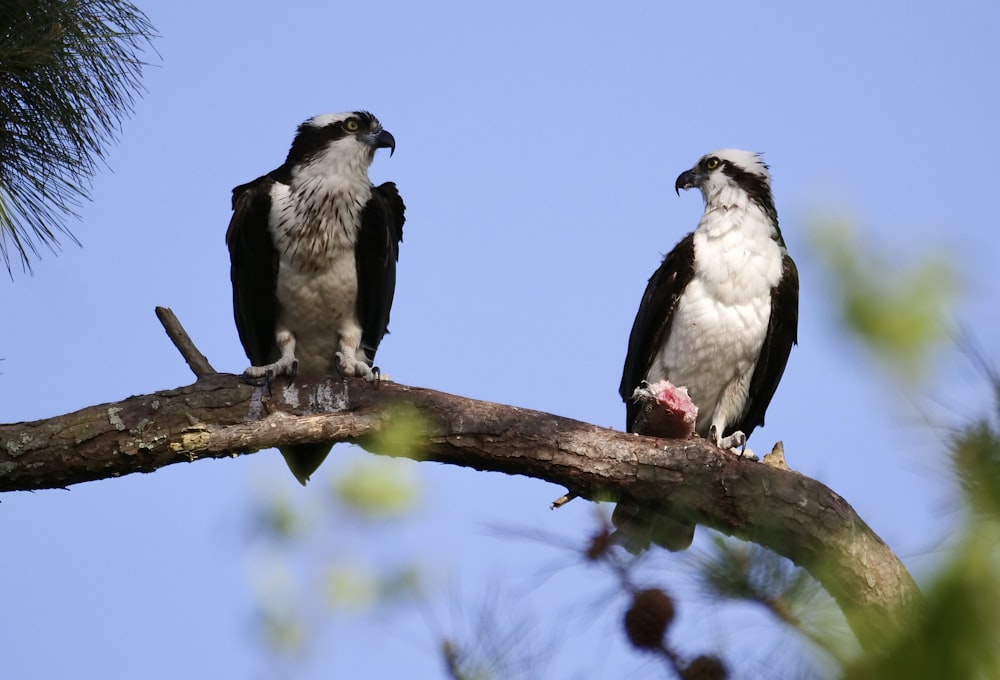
[719, 318]
[313, 248]
[720, 315]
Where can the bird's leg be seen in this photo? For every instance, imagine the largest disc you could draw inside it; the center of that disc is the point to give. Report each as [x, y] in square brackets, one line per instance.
[350, 358]
[736, 442]
[365, 371]
[713, 435]
[258, 380]
[286, 364]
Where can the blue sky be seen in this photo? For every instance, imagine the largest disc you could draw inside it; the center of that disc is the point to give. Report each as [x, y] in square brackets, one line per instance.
[537, 149]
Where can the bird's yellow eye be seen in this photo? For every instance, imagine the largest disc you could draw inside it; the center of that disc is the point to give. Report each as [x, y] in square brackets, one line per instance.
[352, 125]
[712, 163]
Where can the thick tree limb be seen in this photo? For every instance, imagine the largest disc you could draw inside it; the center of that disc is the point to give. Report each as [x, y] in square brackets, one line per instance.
[221, 416]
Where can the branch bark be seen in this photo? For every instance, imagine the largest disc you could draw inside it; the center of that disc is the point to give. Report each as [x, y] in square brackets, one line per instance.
[219, 416]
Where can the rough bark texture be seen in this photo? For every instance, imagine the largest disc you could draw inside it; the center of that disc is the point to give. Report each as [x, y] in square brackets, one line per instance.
[221, 416]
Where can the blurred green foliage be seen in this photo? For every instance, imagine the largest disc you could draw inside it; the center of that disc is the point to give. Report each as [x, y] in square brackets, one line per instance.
[976, 457]
[959, 634]
[378, 487]
[404, 429]
[314, 555]
[278, 621]
[898, 310]
[360, 587]
[737, 570]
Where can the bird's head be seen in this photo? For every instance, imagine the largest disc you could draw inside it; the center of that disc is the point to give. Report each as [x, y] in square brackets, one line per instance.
[351, 137]
[726, 175]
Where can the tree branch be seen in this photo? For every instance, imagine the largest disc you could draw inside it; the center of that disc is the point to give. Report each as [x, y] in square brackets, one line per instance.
[196, 361]
[220, 415]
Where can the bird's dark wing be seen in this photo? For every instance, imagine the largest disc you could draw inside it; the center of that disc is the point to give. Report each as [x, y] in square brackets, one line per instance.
[376, 254]
[254, 270]
[652, 322]
[782, 333]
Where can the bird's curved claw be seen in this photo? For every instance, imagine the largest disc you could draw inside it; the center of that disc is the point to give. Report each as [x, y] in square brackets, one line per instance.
[264, 380]
[338, 363]
[257, 380]
[376, 375]
[253, 380]
[737, 440]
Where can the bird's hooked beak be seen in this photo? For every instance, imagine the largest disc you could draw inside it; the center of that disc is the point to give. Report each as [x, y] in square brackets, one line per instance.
[687, 180]
[382, 140]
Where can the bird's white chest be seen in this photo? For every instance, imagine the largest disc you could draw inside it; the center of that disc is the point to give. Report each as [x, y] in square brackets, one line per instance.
[315, 233]
[721, 319]
[315, 219]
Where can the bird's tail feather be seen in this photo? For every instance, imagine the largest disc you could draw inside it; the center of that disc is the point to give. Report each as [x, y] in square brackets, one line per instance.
[304, 459]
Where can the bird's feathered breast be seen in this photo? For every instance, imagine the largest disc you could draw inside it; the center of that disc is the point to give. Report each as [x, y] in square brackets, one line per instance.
[316, 216]
[736, 255]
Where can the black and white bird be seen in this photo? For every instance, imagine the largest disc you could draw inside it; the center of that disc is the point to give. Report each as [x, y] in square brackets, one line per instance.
[720, 315]
[313, 248]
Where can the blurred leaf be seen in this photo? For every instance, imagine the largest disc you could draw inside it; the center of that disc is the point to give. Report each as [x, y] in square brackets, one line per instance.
[278, 620]
[284, 635]
[977, 461]
[976, 453]
[350, 587]
[278, 518]
[899, 312]
[378, 488]
[358, 589]
[404, 583]
[404, 431]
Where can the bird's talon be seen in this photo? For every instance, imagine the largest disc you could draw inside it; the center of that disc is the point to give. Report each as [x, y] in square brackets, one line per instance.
[255, 381]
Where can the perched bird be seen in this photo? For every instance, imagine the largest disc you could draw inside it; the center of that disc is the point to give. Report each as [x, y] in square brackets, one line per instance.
[720, 315]
[313, 247]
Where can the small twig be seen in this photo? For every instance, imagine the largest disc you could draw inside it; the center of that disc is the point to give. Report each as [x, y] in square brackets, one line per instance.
[562, 500]
[196, 361]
